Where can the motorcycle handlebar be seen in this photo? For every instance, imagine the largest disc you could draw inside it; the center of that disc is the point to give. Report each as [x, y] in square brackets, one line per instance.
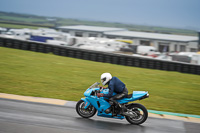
[101, 88]
[98, 91]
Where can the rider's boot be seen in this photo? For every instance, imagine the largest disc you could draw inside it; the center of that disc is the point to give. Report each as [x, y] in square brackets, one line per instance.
[120, 108]
[111, 109]
[107, 111]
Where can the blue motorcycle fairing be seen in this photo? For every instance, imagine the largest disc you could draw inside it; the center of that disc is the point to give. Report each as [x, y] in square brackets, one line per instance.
[103, 114]
[101, 104]
[88, 92]
[136, 95]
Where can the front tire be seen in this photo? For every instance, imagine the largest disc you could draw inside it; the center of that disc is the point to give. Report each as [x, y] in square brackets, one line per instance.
[85, 113]
[140, 114]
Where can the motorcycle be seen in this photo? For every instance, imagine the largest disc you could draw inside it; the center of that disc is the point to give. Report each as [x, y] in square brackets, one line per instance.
[134, 113]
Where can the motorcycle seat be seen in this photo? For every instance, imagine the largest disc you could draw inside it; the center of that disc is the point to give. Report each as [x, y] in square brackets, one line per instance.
[129, 95]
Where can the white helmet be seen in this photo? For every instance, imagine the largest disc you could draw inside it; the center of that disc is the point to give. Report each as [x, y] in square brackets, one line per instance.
[105, 78]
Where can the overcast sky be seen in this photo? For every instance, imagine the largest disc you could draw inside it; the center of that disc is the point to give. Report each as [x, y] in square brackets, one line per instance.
[167, 13]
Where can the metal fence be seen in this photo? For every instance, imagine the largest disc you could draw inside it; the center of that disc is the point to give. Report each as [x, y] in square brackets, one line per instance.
[98, 56]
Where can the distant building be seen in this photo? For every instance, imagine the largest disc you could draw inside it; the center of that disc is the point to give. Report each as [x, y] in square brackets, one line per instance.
[162, 42]
[88, 31]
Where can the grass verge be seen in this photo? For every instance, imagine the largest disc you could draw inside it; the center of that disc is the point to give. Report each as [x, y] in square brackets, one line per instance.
[47, 75]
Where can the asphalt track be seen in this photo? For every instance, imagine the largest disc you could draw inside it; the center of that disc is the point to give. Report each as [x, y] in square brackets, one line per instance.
[29, 117]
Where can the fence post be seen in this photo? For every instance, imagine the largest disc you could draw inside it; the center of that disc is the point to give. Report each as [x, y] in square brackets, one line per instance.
[197, 70]
[17, 44]
[151, 64]
[115, 59]
[136, 62]
[9, 43]
[56, 51]
[171, 66]
[100, 58]
[78, 54]
[122, 60]
[93, 56]
[2, 40]
[63, 52]
[48, 49]
[129, 61]
[33, 47]
[178, 67]
[108, 59]
[86, 55]
[143, 63]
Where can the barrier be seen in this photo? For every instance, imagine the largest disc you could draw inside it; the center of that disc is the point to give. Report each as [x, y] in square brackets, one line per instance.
[98, 56]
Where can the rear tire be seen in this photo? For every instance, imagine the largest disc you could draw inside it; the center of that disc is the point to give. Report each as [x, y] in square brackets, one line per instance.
[85, 113]
[140, 113]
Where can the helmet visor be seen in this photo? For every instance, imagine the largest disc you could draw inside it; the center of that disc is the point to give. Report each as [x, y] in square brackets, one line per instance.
[102, 80]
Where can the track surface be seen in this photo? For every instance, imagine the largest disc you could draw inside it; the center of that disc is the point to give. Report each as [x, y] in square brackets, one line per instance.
[27, 117]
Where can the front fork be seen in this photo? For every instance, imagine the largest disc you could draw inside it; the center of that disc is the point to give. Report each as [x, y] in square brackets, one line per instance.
[87, 103]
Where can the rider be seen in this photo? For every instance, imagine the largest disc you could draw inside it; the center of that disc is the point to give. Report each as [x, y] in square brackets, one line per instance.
[114, 85]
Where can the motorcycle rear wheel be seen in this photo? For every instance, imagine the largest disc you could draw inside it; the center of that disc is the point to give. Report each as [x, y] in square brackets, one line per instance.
[85, 113]
[140, 113]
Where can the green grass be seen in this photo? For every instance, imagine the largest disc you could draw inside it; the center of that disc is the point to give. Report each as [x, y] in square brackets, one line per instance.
[22, 19]
[47, 75]
[15, 26]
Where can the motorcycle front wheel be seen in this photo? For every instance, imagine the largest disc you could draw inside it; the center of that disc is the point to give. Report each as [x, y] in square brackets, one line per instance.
[139, 114]
[85, 113]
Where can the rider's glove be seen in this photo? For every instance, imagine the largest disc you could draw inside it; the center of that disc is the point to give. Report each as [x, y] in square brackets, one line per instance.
[100, 94]
[103, 87]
